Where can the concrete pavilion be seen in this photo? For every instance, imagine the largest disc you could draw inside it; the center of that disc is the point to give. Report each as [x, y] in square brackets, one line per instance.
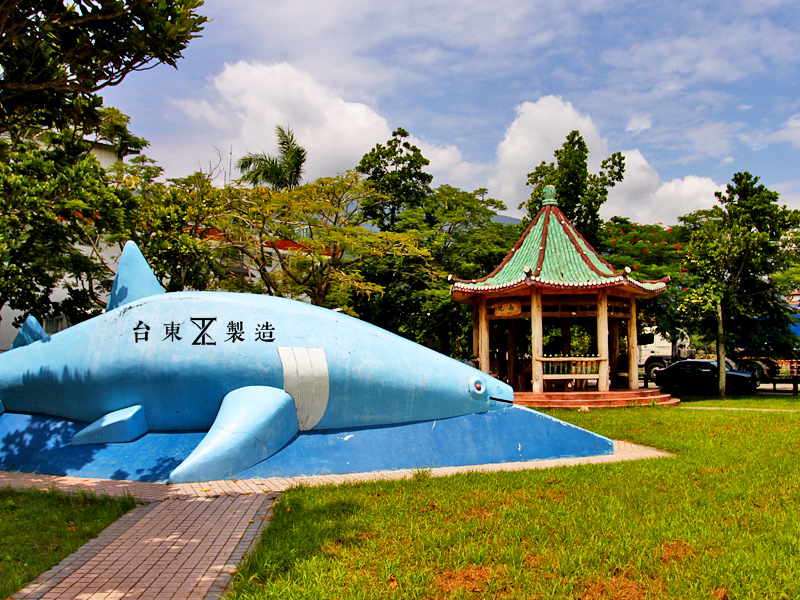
[553, 276]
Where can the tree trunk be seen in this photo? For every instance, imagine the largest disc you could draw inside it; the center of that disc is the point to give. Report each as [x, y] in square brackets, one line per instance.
[720, 352]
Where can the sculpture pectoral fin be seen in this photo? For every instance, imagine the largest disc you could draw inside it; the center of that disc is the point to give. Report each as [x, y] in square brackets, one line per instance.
[252, 424]
[123, 425]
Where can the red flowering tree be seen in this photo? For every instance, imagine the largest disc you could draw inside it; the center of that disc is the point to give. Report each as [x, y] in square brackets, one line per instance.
[652, 251]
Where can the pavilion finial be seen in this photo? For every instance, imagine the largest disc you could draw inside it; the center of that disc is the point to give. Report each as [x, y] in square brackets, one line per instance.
[550, 196]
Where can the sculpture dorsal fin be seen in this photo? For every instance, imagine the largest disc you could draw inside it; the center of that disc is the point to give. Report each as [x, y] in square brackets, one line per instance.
[134, 279]
[31, 331]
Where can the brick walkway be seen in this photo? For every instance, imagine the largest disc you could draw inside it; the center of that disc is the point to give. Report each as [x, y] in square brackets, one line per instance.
[184, 541]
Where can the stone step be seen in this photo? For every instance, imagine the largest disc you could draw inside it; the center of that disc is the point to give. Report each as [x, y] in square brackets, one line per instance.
[589, 396]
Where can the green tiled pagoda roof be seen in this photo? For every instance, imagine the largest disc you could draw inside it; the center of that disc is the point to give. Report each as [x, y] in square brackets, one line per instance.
[552, 254]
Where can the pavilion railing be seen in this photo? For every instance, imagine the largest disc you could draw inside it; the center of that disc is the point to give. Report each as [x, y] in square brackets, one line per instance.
[571, 367]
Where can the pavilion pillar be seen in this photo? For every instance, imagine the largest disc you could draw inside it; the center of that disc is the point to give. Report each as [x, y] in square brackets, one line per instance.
[476, 333]
[633, 349]
[537, 373]
[602, 340]
[483, 335]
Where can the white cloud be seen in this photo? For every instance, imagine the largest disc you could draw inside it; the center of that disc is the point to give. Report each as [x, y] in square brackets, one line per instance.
[790, 132]
[713, 52]
[790, 193]
[249, 99]
[252, 98]
[638, 124]
[448, 166]
[539, 129]
[542, 126]
[716, 139]
[668, 85]
[644, 198]
[685, 195]
[632, 197]
[356, 43]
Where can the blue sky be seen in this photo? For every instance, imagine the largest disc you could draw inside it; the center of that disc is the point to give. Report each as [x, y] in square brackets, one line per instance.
[690, 92]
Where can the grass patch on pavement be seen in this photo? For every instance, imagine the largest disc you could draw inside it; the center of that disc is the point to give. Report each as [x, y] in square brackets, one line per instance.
[721, 520]
[38, 528]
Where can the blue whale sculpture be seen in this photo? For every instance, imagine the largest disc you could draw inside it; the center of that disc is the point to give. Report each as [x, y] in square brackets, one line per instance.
[251, 370]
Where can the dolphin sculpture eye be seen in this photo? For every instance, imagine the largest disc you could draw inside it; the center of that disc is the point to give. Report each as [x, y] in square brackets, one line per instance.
[478, 388]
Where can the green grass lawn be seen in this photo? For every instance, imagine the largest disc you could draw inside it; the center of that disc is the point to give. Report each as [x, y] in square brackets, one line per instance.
[721, 520]
[775, 401]
[39, 528]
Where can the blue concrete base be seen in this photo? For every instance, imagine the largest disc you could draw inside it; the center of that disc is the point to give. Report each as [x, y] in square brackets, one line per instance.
[508, 435]
[40, 444]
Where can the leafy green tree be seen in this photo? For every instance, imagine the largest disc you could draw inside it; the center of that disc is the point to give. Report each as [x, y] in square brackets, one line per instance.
[580, 193]
[790, 278]
[284, 171]
[310, 242]
[113, 130]
[395, 170]
[171, 223]
[457, 230]
[55, 191]
[736, 248]
[56, 205]
[56, 55]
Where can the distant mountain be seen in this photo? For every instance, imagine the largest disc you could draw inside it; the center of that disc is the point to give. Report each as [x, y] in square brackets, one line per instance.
[506, 219]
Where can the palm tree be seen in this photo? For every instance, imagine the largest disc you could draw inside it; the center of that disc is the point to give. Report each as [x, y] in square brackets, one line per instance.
[284, 171]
